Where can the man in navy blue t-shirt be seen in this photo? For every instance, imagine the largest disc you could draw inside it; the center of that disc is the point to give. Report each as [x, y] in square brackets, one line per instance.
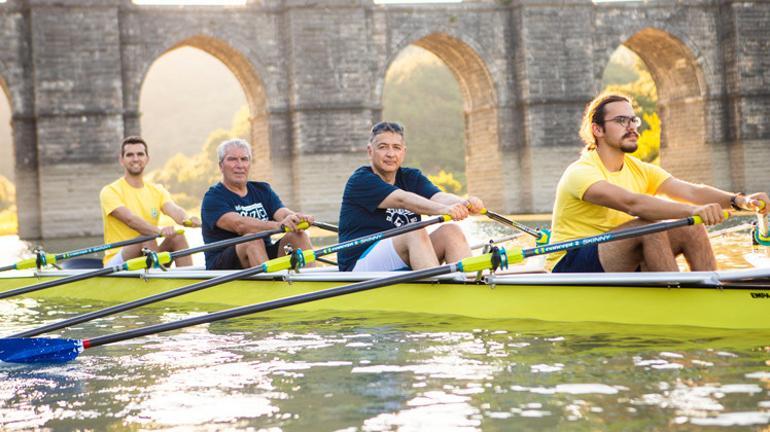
[236, 206]
[384, 195]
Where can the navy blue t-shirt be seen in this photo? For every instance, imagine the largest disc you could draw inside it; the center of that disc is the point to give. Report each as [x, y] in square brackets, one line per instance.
[359, 215]
[260, 203]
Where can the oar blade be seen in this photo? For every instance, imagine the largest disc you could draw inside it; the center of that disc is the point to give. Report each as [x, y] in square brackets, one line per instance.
[39, 350]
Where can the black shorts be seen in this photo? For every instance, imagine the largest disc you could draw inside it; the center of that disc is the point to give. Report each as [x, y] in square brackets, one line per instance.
[228, 258]
[581, 260]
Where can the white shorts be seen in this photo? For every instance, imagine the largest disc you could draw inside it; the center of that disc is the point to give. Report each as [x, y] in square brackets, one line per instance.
[381, 256]
[116, 259]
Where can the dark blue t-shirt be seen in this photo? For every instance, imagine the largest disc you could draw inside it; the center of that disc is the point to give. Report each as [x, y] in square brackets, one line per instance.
[359, 215]
[260, 203]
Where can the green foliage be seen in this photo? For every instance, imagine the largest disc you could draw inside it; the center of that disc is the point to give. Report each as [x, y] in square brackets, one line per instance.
[446, 182]
[422, 94]
[649, 140]
[7, 194]
[645, 96]
[189, 177]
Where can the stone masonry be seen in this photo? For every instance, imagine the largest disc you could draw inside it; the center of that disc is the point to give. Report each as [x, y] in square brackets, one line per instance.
[313, 73]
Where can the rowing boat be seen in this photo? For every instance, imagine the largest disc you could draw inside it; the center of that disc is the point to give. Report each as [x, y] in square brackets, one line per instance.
[738, 299]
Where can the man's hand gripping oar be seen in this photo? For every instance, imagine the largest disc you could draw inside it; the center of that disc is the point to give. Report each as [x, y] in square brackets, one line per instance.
[48, 350]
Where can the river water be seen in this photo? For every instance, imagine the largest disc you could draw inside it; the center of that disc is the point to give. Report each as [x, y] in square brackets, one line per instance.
[290, 371]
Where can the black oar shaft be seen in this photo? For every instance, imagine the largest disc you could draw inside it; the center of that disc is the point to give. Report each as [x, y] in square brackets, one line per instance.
[326, 226]
[607, 237]
[140, 302]
[273, 304]
[379, 236]
[56, 282]
[226, 243]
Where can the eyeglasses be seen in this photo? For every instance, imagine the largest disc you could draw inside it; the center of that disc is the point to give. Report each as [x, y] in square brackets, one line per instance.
[626, 121]
[387, 127]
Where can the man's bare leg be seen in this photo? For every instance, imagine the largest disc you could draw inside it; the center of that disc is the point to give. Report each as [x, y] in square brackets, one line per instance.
[135, 250]
[450, 244]
[176, 243]
[653, 252]
[416, 249]
[251, 253]
[693, 241]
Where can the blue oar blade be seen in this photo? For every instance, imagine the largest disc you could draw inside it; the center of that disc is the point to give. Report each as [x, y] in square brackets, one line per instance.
[39, 350]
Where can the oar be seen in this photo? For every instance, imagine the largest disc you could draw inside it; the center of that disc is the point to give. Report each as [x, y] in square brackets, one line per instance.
[143, 262]
[542, 236]
[41, 259]
[278, 264]
[327, 226]
[49, 350]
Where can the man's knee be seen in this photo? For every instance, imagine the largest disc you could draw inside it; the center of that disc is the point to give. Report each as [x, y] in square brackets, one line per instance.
[658, 238]
[297, 238]
[452, 230]
[253, 246]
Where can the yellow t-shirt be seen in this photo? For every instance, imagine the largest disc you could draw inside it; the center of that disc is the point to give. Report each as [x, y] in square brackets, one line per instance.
[574, 218]
[145, 202]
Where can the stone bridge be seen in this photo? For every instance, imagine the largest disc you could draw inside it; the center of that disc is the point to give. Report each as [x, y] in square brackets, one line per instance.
[313, 74]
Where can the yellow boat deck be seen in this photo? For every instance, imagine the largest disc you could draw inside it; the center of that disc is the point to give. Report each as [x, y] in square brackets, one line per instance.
[709, 299]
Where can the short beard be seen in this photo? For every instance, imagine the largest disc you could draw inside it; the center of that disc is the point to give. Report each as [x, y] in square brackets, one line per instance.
[630, 148]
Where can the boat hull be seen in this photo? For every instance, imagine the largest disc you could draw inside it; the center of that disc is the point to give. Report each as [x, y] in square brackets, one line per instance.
[728, 306]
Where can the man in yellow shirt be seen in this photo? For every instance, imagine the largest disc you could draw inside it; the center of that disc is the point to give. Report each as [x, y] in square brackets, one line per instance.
[608, 189]
[132, 206]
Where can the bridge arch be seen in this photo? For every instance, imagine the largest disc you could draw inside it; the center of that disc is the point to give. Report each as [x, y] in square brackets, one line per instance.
[251, 84]
[480, 106]
[678, 73]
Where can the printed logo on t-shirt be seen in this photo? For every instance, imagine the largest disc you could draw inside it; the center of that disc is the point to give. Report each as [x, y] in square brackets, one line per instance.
[400, 217]
[154, 212]
[256, 211]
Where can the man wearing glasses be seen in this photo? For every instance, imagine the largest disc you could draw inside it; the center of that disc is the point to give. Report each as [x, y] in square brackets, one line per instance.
[608, 189]
[384, 195]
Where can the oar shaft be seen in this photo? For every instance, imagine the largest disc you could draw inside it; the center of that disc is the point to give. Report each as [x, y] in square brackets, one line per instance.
[140, 302]
[607, 237]
[221, 244]
[270, 305]
[57, 282]
[94, 249]
[518, 225]
[327, 226]
[380, 236]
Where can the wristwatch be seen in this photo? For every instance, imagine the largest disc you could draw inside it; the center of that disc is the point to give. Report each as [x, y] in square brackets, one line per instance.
[733, 200]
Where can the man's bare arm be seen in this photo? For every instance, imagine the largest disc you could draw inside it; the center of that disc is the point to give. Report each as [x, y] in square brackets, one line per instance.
[644, 206]
[241, 225]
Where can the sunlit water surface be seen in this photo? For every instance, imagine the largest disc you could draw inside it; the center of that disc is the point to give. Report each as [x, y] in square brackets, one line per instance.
[320, 372]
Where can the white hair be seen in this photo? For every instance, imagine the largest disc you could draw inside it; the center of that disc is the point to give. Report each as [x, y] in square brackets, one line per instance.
[226, 145]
